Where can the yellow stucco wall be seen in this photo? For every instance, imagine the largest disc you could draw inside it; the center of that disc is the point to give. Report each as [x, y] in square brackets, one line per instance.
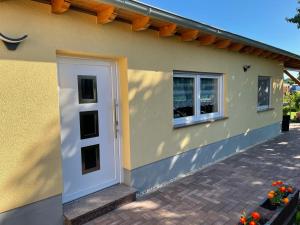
[30, 167]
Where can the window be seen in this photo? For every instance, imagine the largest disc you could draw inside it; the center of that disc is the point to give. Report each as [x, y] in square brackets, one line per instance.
[90, 159]
[87, 89]
[89, 124]
[197, 97]
[264, 93]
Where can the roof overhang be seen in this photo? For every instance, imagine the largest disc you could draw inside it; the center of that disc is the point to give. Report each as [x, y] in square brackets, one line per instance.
[143, 16]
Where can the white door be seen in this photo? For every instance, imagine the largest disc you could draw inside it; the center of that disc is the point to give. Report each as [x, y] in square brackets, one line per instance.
[90, 153]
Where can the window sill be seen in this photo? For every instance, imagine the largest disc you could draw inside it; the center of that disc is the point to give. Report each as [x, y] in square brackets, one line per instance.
[180, 125]
[265, 109]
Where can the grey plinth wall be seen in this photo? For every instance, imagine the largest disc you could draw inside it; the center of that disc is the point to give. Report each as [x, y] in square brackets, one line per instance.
[157, 173]
[44, 212]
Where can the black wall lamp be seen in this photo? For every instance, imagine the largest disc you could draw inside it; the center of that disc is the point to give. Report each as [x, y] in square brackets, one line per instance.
[246, 67]
[12, 43]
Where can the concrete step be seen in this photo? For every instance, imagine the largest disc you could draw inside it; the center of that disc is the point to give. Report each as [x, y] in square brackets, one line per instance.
[89, 207]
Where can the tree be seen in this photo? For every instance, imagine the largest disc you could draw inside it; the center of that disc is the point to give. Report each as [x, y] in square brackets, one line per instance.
[296, 18]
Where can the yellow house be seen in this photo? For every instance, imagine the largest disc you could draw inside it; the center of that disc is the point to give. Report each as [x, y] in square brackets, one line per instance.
[108, 92]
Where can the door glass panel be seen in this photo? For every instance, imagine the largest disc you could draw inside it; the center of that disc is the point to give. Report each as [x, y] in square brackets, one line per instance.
[90, 159]
[209, 95]
[89, 124]
[87, 89]
[183, 96]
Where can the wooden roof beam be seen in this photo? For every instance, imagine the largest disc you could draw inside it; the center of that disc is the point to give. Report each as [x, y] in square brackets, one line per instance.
[59, 6]
[207, 39]
[190, 35]
[292, 77]
[106, 14]
[257, 52]
[266, 54]
[272, 56]
[222, 44]
[141, 23]
[167, 30]
[247, 50]
[236, 47]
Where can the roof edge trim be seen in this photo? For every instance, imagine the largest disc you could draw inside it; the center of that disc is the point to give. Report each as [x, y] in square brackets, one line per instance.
[179, 20]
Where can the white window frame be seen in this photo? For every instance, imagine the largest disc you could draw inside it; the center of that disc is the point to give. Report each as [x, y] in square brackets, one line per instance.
[198, 117]
[265, 107]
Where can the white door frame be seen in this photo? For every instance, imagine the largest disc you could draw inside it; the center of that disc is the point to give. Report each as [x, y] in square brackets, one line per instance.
[116, 109]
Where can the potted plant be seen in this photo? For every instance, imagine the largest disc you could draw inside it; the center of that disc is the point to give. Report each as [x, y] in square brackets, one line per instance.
[285, 126]
[278, 196]
[253, 219]
[280, 207]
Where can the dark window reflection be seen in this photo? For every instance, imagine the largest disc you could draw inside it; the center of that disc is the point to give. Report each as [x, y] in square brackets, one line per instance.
[183, 96]
[90, 159]
[264, 91]
[209, 95]
[89, 124]
[87, 88]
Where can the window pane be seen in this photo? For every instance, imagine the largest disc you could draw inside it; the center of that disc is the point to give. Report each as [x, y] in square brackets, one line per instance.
[183, 96]
[90, 159]
[87, 88]
[209, 95]
[89, 124]
[263, 91]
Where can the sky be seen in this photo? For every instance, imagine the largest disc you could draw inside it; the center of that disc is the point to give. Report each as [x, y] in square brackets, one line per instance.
[262, 20]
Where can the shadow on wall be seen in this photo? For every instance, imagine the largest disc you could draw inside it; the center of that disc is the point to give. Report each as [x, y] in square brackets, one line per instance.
[36, 177]
[153, 137]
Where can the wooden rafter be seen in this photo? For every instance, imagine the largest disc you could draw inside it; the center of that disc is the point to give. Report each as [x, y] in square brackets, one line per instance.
[248, 50]
[190, 35]
[272, 56]
[257, 52]
[222, 44]
[236, 47]
[59, 6]
[283, 58]
[292, 77]
[140, 23]
[106, 14]
[266, 54]
[207, 39]
[167, 30]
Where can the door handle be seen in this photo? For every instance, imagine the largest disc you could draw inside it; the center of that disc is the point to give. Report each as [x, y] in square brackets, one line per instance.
[116, 122]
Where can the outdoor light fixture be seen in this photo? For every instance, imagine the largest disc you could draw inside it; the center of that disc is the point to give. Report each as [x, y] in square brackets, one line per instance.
[246, 67]
[12, 43]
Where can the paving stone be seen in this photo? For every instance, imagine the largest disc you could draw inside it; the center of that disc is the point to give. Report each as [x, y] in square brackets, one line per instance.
[217, 194]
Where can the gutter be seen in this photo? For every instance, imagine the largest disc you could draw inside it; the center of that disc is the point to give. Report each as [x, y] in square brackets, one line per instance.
[159, 14]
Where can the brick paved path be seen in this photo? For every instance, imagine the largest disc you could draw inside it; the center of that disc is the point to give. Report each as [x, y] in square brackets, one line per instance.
[217, 194]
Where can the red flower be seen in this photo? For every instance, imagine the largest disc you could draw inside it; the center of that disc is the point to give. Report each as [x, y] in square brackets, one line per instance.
[274, 183]
[282, 189]
[243, 220]
[290, 189]
[255, 215]
[252, 223]
[279, 182]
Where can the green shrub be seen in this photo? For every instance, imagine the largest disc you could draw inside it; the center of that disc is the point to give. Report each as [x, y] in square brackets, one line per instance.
[298, 218]
[286, 110]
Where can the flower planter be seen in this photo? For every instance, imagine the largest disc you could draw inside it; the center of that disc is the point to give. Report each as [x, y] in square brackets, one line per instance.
[278, 215]
[285, 126]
